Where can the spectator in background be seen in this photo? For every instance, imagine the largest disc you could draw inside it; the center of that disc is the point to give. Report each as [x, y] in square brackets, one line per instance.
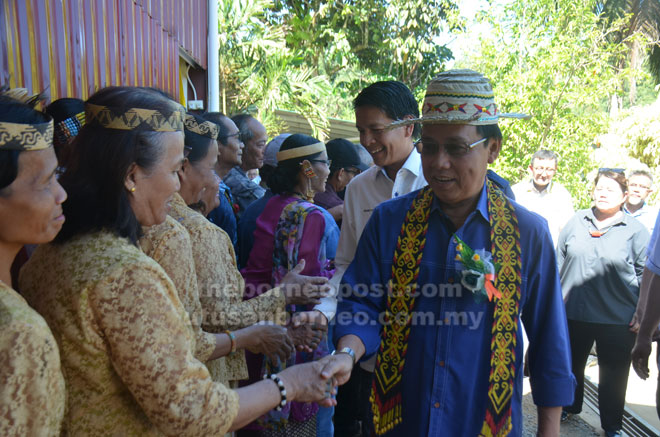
[640, 185]
[544, 196]
[230, 152]
[648, 311]
[248, 221]
[253, 136]
[601, 255]
[346, 164]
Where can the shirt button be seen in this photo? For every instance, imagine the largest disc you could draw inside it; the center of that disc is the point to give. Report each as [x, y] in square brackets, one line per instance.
[437, 405]
[441, 364]
[450, 280]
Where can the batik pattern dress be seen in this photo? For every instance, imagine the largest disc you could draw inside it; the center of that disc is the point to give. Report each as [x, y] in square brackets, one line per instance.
[32, 394]
[126, 342]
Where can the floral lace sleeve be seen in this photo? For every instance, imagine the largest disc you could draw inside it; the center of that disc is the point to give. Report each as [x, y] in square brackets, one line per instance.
[169, 245]
[143, 326]
[32, 396]
[221, 286]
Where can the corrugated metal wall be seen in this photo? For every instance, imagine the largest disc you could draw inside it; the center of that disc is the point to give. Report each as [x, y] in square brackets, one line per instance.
[75, 47]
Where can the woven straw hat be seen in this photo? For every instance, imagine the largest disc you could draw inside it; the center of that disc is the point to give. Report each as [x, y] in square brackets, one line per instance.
[459, 97]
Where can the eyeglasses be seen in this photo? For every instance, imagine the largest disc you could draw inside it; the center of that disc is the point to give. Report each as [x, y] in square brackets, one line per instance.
[614, 170]
[327, 162]
[544, 169]
[634, 185]
[230, 135]
[453, 149]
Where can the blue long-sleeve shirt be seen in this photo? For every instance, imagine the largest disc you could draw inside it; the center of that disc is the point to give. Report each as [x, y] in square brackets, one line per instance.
[445, 378]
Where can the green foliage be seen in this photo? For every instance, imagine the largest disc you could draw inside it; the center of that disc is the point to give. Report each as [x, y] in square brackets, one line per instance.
[314, 56]
[552, 59]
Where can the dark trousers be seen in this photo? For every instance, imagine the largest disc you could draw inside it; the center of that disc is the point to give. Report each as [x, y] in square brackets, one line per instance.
[353, 416]
[613, 345]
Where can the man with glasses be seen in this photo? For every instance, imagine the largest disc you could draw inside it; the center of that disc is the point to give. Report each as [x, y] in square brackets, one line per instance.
[640, 185]
[544, 196]
[441, 280]
[253, 135]
[230, 152]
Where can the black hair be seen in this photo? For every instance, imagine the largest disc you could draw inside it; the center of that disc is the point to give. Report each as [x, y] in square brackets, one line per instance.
[392, 97]
[197, 146]
[489, 131]
[285, 177]
[64, 108]
[242, 121]
[217, 118]
[13, 111]
[543, 154]
[94, 180]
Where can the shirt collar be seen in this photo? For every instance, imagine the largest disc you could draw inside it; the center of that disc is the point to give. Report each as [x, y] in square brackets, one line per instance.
[482, 204]
[547, 189]
[637, 213]
[592, 218]
[413, 164]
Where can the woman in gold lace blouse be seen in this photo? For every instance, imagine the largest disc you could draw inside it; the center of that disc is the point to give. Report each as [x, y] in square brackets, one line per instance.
[32, 395]
[220, 284]
[126, 340]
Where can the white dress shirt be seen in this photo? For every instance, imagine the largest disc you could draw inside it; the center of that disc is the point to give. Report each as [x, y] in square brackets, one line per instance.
[366, 191]
[554, 204]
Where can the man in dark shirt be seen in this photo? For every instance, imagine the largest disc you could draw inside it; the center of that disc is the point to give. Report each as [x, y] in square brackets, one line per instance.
[253, 135]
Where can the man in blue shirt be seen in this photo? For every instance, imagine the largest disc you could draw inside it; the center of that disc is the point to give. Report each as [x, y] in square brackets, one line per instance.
[445, 380]
[649, 307]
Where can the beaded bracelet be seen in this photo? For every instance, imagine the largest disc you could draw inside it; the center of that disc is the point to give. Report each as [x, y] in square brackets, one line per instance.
[280, 386]
[232, 337]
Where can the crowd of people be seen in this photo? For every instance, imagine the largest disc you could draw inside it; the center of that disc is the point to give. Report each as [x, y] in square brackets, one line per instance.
[171, 273]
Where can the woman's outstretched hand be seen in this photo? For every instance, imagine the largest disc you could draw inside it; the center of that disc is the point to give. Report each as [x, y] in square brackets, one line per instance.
[303, 290]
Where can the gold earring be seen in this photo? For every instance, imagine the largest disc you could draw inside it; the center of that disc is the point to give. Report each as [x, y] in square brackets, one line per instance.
[133, 190]
[309, 192]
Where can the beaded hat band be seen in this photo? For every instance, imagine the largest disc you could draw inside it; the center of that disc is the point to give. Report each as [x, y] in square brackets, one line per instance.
[68, 128]
[134, 118]
[459, 97]
[205, 129]
[301, 151]
[26, 137]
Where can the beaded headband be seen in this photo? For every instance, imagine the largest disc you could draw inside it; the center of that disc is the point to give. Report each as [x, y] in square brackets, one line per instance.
[205, 129]
[134, 118]
[26, 137]
[301, 151]
[68, 128]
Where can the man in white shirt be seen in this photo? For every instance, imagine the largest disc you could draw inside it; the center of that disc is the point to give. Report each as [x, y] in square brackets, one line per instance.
[640, 185]
[397, 171]
[544, 196]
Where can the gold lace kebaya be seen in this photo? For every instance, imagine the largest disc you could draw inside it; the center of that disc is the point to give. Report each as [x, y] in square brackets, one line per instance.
[32, 394]
[26, 136]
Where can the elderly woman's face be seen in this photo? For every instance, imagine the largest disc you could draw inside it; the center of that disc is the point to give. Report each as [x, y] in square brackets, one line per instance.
[608, 195]
[200, 174]
[154, 188]
[31, 206]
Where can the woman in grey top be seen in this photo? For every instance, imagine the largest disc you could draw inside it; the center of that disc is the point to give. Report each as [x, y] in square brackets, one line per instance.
[601, 254]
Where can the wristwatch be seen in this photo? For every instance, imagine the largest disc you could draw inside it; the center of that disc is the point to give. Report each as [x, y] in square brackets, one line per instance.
[346, 350]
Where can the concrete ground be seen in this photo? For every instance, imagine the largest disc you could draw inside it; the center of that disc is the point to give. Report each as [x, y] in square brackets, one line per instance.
[640, 398]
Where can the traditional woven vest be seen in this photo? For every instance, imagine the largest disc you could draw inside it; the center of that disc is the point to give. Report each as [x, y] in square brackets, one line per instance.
[505, 247]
